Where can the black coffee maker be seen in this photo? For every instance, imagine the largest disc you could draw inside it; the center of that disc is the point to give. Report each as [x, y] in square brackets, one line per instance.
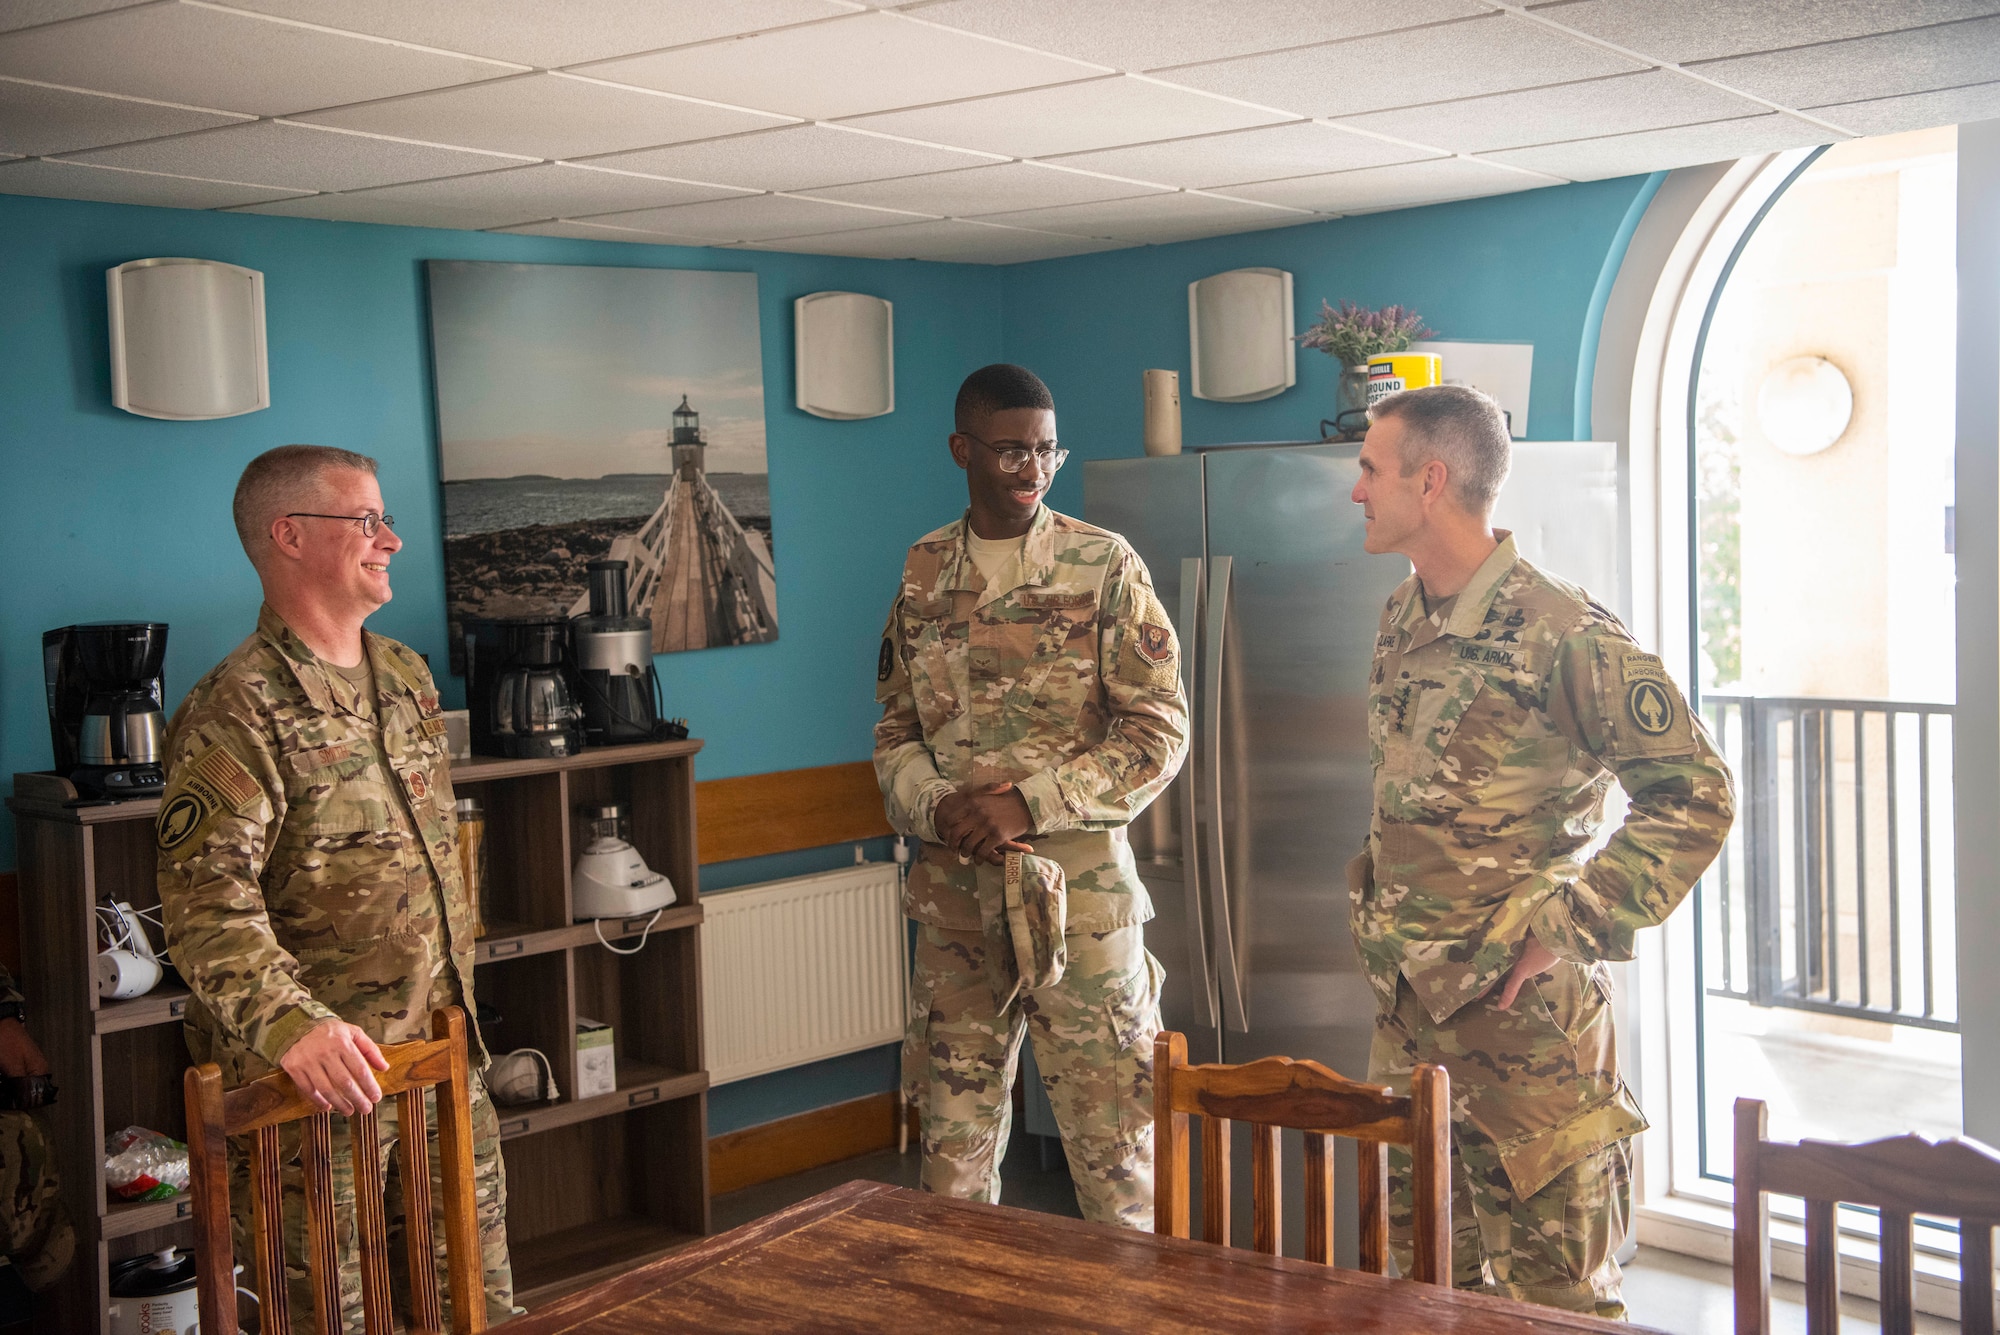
[614, 659]
[521, 688]
[107, 715]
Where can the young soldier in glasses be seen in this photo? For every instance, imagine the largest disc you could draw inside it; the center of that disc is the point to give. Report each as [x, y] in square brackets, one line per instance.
[1032, 707]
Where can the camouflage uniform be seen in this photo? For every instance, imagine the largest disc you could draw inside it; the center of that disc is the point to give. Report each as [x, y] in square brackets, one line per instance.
[1064, 680]
[35, 1230]
[1498, 722]
[307, 869]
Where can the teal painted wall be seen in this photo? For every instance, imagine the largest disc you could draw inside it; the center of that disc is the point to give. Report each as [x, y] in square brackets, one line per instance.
[1512, 268]
[105, 515]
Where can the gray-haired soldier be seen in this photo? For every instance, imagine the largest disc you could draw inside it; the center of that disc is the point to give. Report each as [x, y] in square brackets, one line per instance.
[1503, 704]
[307, 843]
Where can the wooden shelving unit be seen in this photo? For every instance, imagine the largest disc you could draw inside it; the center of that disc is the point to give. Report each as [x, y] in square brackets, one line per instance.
[594, 1185]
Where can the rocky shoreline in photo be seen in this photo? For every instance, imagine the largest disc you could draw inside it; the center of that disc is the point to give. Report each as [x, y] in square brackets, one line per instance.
[533, 571]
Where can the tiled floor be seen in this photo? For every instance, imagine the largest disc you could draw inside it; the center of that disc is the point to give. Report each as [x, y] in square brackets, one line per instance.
[1669, 1292]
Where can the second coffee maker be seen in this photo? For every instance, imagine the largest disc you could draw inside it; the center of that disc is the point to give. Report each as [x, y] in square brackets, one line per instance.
[614, 661]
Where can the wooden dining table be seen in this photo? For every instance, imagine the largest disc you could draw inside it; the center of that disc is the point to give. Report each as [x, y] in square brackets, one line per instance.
[867, 1256]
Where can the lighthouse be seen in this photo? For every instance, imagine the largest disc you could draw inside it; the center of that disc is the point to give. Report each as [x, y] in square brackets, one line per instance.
[690, 449]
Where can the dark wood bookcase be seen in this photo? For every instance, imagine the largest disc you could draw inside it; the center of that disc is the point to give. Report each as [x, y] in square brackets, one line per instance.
[594, 1186]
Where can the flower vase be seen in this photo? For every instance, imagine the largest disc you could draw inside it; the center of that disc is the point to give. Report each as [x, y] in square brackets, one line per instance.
[1350, 407]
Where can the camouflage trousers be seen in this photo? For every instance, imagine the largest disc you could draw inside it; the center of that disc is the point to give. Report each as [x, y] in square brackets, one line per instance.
[34, 1227]
[1093, 1033]
[1554, 1247]
[489, 1181]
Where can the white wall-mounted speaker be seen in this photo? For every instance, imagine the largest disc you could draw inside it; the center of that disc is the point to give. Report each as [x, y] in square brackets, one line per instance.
[187, 339]
[1240, 335]
[844, 347]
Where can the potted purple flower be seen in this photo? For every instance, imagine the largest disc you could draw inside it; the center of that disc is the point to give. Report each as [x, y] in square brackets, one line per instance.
[1351, 334]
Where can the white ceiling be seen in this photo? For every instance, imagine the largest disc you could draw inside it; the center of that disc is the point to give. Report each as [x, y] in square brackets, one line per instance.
[989, 131]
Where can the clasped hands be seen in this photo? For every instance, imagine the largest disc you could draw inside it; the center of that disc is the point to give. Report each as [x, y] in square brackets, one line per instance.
[984, 824]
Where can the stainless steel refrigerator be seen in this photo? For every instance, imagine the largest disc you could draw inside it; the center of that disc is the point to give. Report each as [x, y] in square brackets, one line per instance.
[1256, 553]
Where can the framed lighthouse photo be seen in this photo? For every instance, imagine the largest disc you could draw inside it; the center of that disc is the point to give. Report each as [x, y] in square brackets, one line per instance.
[588, 413]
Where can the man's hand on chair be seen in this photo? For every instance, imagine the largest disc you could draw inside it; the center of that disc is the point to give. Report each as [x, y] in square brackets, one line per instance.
[330, 1065]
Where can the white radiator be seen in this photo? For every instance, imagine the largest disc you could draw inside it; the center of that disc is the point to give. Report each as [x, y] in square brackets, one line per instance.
[797, 970]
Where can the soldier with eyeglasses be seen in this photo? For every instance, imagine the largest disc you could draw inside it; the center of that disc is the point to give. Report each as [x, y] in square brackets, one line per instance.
[1031, 708]
[308, 854]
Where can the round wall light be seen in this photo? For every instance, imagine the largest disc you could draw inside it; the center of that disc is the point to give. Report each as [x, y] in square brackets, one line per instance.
[1804, 404]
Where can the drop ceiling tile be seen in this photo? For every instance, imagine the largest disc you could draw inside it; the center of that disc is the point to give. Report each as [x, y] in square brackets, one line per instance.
[1147, 34]
[35, 119]
[843, 67]
[69, 180]
[1402, 186]
[28, 13]
[1663, 150]
[753, 218]
[1494, 54]
[1919, 60]
[1622, 103]
[583, 231]
[1916, 111]
[1072, 118]
[795, 157]
[1706, 29]
[543, 35]
[302, 157]
[1302, 148]
[206, 57]
[545, 116]
[976, 190]
[1156, 218]
[496, 199]
[947, 241]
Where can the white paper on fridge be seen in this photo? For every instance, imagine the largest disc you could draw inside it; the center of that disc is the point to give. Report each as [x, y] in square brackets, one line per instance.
[1500, 369]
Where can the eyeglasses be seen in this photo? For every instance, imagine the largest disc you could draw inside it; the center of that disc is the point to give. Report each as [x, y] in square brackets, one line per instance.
[369, 522]
[1014, 455]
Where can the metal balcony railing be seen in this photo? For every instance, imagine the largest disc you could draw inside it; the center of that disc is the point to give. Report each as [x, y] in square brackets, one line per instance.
[1834, 893]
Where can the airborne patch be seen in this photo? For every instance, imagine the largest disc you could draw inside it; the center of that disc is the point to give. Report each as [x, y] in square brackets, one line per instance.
[210, 784]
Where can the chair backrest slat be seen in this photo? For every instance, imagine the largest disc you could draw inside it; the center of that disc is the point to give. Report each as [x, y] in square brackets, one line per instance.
[260, 1109]
[1266, 1195]
[1900, 1176]
[426, 1308]
[1319, 1199]
[1975, 1277]
[1277, 1093]
[274, 1302]
[322, 1229]
[377, 1315]
[1899, 1298]
[1371, 1157]
[1215, 1180]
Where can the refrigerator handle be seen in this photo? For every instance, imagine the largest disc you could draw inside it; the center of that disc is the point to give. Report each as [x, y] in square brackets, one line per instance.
[1214, 634]
[1200, 967]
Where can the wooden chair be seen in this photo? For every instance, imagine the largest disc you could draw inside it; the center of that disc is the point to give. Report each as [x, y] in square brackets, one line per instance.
[1900, 1176]
[1276, 1093]
[259, 1109]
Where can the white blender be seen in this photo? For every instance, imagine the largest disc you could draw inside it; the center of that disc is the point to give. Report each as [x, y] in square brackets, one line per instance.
[610, 879]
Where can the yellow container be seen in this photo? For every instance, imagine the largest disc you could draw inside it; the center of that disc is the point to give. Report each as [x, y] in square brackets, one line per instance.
[1393, 372]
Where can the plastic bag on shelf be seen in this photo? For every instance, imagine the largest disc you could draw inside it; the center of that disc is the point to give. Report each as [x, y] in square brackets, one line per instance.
[142, 1165]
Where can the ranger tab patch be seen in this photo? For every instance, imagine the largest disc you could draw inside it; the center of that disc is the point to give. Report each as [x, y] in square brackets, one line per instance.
[1649, 696]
